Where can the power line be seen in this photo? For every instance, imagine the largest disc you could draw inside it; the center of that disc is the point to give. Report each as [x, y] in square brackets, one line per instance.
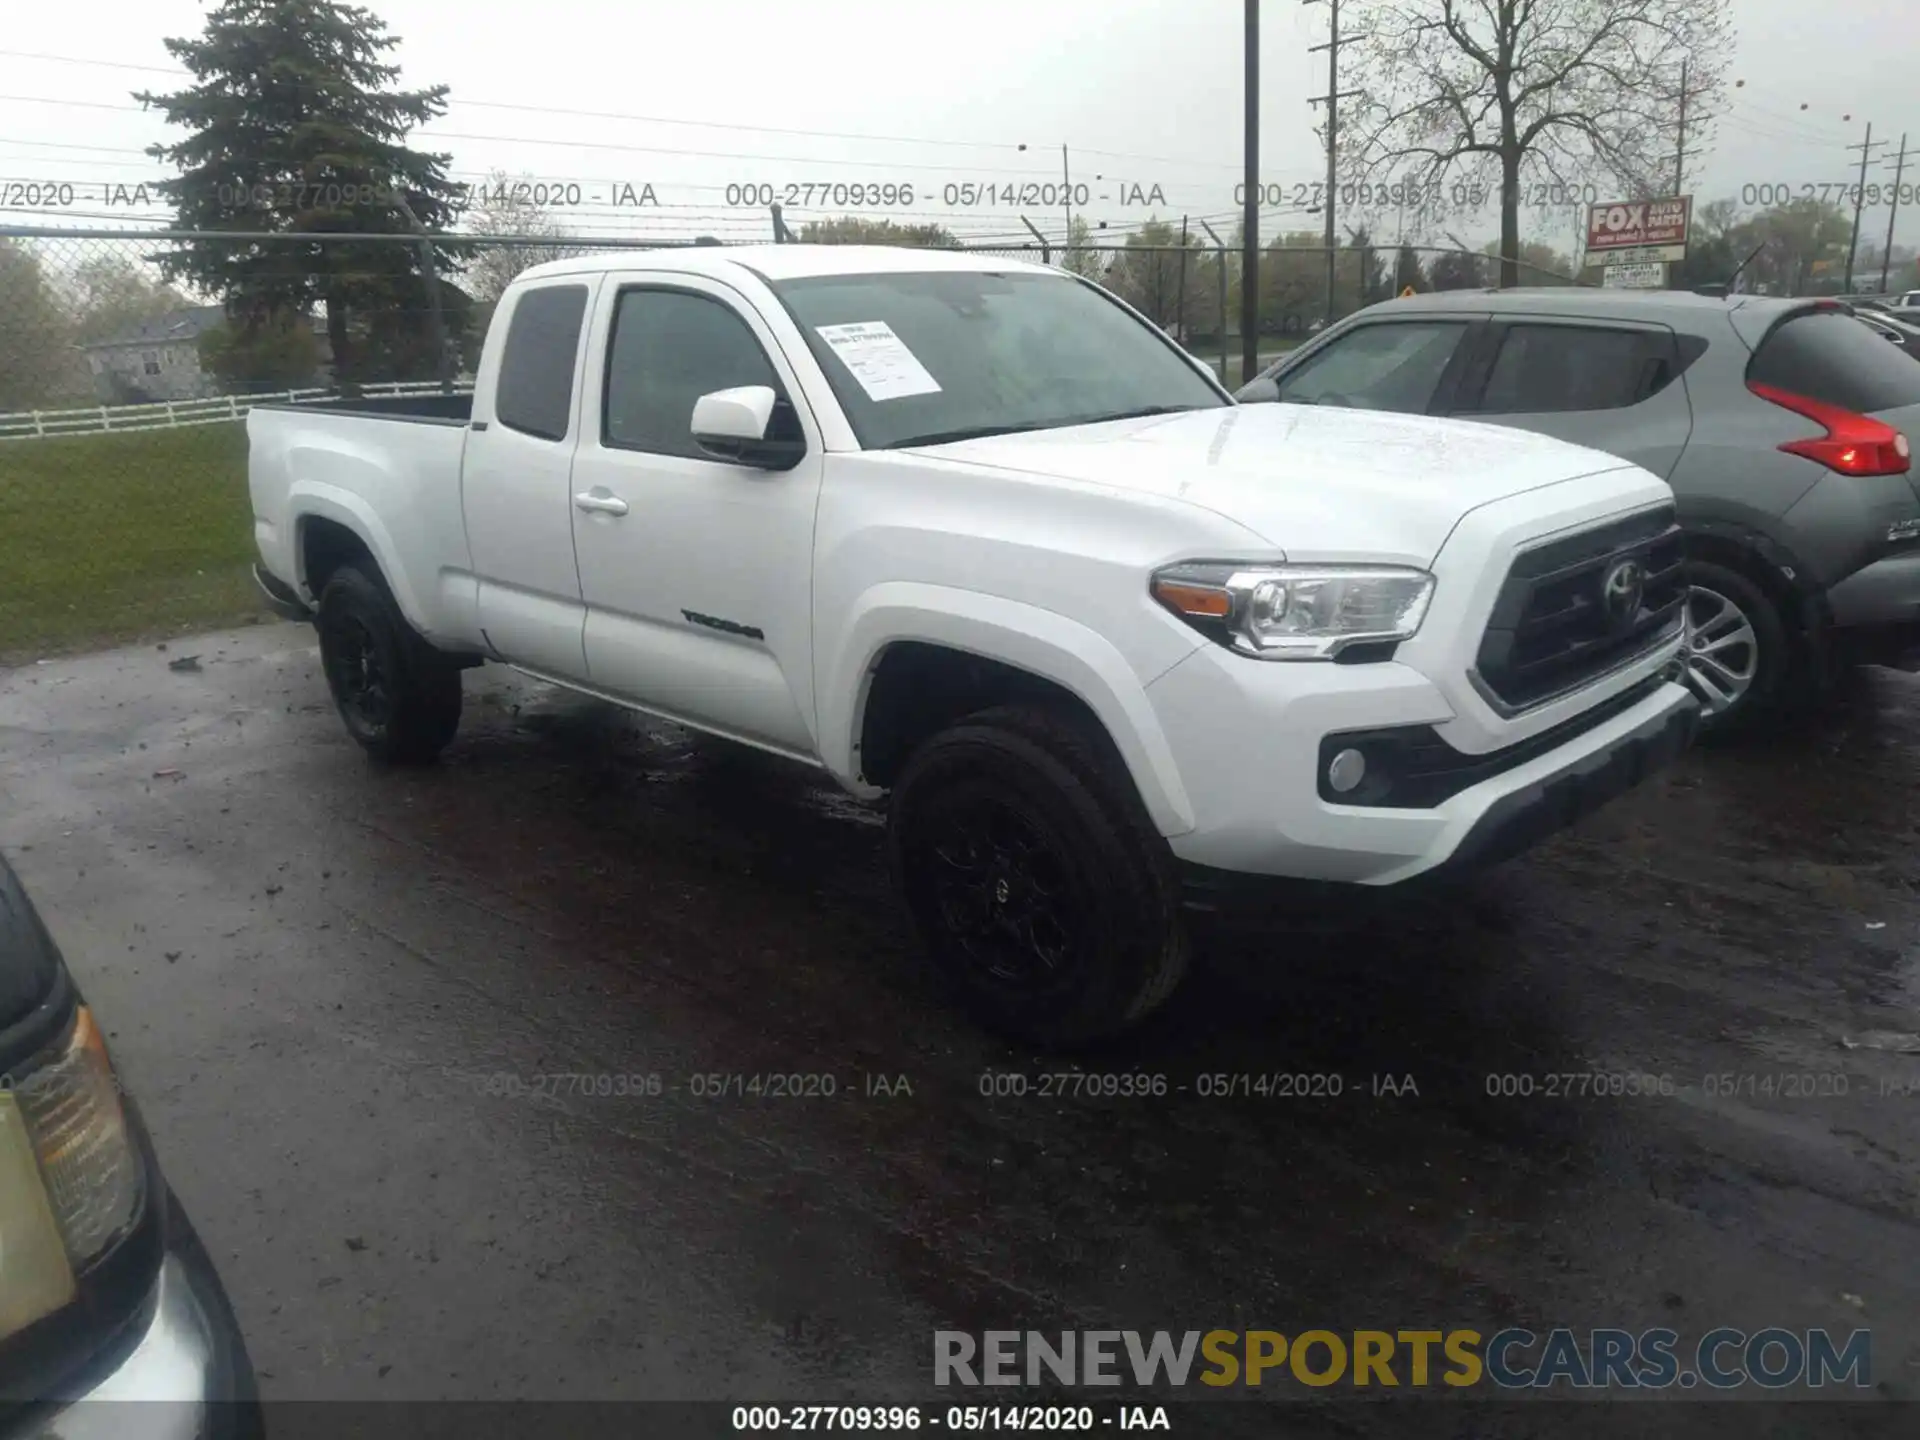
[1806, 132]
[454, 100]
[564, 110]
[424, 134]
[1801, 120]
[1806, 140]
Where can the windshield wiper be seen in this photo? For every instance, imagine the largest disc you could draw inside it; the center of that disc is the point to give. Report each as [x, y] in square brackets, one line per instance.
[981, 432]
[1140, 414]
[969, 432]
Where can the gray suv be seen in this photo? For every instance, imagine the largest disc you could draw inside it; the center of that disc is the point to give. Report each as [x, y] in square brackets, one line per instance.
[1781, 424]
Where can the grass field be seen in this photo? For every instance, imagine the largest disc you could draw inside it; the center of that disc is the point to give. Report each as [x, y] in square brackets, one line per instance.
[108, 538]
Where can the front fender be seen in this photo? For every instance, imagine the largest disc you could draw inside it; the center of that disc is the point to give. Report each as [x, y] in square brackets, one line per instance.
[1040, 642]
[316, 499]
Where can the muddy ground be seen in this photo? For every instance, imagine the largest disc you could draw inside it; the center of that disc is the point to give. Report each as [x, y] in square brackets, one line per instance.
[336, 990]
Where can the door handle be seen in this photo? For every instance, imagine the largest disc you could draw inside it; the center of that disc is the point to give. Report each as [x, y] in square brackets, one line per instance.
[599, 502]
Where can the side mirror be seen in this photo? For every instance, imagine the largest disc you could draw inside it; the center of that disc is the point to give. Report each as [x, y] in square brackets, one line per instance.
[1258, 391]
[733, 425]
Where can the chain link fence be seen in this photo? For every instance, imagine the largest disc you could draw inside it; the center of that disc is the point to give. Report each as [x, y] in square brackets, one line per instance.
[128, 361]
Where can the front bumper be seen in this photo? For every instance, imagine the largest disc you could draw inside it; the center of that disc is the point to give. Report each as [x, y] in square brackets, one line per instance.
[1510, 824]
[179, 1372]
[1244, 738]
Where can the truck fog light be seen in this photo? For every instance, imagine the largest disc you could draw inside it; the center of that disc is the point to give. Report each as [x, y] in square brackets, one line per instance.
[1347, 770]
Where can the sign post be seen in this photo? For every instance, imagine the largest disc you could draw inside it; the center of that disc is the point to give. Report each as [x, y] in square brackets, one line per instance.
[1629, 235]
[1638, 275]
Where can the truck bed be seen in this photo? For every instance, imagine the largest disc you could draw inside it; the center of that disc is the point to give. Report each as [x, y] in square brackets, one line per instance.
[416, 409]
[395, 485]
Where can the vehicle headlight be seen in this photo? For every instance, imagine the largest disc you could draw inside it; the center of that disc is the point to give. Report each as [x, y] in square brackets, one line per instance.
[71, 1181]
[1297, 612]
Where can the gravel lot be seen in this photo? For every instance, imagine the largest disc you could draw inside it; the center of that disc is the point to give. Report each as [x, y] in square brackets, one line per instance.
[315, 973]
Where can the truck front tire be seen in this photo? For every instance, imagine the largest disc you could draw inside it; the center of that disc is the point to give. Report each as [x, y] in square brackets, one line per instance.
[398, 696]
[1042, 893]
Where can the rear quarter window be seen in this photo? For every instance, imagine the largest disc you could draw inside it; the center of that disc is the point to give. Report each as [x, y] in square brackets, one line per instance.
[1543, 368]
[534, 393]
[1832, 357]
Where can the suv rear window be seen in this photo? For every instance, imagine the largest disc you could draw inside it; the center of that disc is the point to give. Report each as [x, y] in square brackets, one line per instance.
[1832, 357]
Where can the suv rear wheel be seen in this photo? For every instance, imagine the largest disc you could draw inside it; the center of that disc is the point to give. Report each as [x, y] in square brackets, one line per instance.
[1738, 650]
[1042, 893]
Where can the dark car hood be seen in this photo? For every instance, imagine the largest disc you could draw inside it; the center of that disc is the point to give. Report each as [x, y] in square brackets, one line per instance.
[29, 964]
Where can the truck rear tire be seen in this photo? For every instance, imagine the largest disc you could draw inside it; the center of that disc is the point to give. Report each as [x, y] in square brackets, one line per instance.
[398, 696]
[1042, 893]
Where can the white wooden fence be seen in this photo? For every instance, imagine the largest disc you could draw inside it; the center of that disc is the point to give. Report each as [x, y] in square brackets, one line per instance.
[171, 414]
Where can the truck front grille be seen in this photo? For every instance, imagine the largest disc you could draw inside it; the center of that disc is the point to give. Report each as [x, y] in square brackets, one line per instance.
[1573, 609]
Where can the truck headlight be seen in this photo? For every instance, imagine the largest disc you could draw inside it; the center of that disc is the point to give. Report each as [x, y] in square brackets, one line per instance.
[1297, 612]
[71, 1182]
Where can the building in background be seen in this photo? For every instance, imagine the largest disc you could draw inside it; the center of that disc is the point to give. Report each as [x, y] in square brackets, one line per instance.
[155, 360]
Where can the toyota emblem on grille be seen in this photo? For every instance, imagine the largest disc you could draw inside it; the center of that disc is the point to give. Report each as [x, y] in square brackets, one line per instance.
[1623, 590]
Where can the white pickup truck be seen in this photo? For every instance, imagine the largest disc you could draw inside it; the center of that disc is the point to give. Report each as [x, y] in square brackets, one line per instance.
[973, 535]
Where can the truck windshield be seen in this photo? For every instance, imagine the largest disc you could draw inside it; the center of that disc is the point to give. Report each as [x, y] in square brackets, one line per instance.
[928, 358]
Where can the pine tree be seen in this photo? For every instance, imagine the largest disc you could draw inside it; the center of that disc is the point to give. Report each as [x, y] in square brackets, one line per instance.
[295, 128]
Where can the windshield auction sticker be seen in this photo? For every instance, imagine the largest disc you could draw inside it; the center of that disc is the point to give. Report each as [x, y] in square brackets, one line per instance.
[878, 359]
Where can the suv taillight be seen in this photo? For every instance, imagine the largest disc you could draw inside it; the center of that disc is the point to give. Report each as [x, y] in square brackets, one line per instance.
[1853, 445]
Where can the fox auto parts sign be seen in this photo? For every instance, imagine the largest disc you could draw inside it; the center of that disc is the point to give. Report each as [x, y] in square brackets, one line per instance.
[1640, 231]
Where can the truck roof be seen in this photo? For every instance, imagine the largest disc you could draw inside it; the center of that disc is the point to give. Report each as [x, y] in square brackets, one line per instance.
[783, 262]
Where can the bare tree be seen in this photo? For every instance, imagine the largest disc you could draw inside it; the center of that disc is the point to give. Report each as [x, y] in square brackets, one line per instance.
[110, 293]
[1532, 99]
[504, 206]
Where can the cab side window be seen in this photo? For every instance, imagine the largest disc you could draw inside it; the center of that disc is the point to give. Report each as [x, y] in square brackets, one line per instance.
[534, 393]
[669, 348]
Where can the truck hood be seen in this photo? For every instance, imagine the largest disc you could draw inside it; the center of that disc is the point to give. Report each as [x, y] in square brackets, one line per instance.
[1317, 483]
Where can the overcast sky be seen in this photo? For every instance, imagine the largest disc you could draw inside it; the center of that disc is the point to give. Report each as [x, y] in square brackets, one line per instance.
[1143, 94]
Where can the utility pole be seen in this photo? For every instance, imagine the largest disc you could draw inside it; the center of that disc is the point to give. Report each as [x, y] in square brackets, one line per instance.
[1680, 150]
[1332, 101]
[430, 272]
[1250, 207]
[1066, 186]
[1866, 148]
[1220, 264]
[1893, 210]
[1181, 322]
